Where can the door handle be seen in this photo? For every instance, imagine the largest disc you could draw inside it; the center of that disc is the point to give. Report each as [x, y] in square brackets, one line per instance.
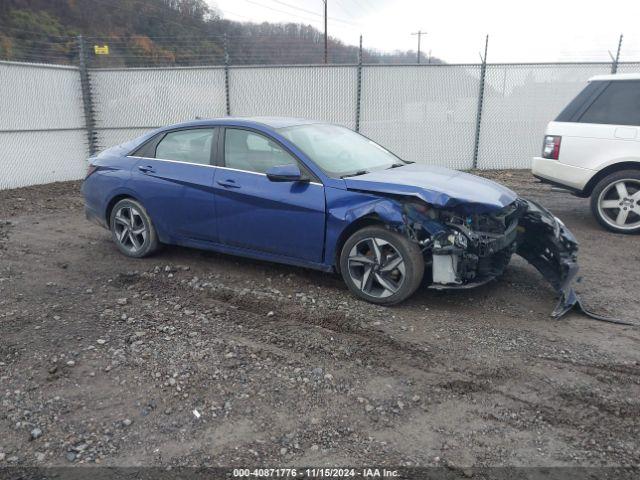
[146, 169]
[626, 133]
[228, 184]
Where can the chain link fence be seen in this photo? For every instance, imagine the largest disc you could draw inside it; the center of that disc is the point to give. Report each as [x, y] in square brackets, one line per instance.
[129, 102]
[425, 113]
[42, 126]
[326, 93]
[519, 101]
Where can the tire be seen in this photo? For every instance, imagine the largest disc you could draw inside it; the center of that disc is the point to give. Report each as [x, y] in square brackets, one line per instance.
[132, 229]
[620, 191]
[381, 266]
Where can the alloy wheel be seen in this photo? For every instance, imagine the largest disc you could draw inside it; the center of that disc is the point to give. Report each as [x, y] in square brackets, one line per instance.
[376, 267]
[619, 204]
[129, 228]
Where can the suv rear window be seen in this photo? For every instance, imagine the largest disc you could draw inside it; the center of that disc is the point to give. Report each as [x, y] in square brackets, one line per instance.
[578, 105]
[618, 104]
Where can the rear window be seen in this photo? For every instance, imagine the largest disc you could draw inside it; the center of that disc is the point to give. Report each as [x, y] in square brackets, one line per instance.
[191, 146]
[578, 105]
[618, 104]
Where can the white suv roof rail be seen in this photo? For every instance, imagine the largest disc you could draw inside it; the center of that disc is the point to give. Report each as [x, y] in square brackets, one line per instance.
[617, 76]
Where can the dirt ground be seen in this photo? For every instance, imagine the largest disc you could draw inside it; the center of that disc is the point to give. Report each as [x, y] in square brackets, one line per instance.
[109, 360]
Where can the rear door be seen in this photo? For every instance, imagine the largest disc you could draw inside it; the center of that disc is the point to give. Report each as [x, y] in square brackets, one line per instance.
[174, 177]
[281, 218]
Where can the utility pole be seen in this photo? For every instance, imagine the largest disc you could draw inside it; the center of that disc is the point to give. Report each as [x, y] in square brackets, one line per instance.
[419, 33]
[326, 44]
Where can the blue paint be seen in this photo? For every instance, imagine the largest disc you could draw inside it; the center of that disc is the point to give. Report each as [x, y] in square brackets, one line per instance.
[284, 173]
[294, 222]
[437, 186]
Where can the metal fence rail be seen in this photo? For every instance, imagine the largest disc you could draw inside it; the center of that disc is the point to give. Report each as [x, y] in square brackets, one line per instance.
[425, 113]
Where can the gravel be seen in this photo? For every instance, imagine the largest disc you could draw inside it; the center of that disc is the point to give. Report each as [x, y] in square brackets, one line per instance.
[106, 358]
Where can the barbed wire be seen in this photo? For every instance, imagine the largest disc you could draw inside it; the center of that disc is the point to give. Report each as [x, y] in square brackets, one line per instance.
[242, 49]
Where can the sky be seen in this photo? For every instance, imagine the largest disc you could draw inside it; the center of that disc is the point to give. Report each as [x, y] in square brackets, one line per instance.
[519, 30]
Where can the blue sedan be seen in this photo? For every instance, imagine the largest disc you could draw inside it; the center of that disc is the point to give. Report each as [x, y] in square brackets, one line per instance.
[321, 196]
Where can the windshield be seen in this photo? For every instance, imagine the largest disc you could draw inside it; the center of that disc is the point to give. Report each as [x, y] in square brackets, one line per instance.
[338, 151]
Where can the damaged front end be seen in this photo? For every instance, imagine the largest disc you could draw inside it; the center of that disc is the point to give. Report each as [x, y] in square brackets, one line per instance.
[463, 249]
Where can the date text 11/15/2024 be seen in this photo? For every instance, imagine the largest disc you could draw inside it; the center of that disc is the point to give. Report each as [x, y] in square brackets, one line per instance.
[315, 473]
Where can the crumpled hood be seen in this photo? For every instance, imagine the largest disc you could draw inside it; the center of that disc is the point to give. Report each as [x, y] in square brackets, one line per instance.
[437, 186]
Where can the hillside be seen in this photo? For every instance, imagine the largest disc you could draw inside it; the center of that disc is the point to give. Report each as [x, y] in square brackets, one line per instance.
[162, 32]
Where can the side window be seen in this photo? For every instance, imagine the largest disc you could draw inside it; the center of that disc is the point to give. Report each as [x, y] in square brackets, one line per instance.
[252, 152]
[193, 146]
[618, 104]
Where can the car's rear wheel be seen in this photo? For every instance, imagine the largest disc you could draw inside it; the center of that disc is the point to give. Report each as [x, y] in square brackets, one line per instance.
[615, 201]
[132, 229]
[381, 266]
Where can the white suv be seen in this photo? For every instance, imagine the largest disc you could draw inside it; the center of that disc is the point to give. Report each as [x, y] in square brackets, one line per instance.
[593, 149]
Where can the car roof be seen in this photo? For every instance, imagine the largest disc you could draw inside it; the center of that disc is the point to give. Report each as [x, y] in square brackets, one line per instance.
[616, 76]
[269, 122]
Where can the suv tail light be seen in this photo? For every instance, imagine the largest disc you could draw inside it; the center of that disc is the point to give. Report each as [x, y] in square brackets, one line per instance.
[551, 147]
[90, 170]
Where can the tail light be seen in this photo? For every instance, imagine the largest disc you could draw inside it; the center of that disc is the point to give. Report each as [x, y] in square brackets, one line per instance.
[551, 147]
[90, 170]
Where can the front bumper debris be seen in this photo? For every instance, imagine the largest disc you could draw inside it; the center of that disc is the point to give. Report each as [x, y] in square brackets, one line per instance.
[460, 255]
[547, 244]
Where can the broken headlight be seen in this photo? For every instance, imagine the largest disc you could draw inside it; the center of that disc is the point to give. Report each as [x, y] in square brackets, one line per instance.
[452, 238]
[460, 240]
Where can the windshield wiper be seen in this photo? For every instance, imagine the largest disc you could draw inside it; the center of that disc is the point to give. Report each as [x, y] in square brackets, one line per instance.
[359, 172]
[396, 165]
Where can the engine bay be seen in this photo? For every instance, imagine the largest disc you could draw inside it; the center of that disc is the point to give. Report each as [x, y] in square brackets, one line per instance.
[465, 250]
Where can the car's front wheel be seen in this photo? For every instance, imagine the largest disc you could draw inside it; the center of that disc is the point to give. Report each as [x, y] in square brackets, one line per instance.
[132, 229]
[381, 266]
[615, 201]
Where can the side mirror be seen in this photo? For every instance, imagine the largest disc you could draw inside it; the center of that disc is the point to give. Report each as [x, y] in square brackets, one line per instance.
[285, 173]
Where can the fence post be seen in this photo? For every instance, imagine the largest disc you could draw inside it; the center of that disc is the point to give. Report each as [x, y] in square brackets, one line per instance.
[87, 97]
[616, 60]
[359, 86]
[483, 71]
[226, 75]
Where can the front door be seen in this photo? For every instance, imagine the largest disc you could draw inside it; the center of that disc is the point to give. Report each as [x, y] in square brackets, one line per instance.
[280, 218]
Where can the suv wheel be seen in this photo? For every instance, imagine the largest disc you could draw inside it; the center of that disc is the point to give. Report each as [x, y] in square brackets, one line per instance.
[615, 201]
[381, 266]
[132, 229]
